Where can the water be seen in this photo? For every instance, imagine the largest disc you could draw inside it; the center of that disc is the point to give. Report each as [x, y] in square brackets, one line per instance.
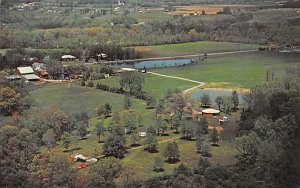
[153, 63]
[213, 94]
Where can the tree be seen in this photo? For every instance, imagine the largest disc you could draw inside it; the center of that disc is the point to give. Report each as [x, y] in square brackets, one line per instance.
[9, 100]
[135, 139]
[151, 143]
[133, 81]
[205, 100]
[81, 129]
[158, 165]
[17, 148]
[100, 130]
[127, 104]
[202, 165]
[104, 173]
[235, 99]
[151, 130]
[227, 104]
[114, 146]
[187, 130]
[202, 127]
[49, 138]
[172, 152]
[219, 101]
[214, 136]
[150, 101]
[204, 148]
[183, 170]
[66, 140]
[164, 127]
[104, 110]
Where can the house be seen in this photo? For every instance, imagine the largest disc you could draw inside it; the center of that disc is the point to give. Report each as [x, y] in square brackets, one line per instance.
[27, 73]
[79, 157]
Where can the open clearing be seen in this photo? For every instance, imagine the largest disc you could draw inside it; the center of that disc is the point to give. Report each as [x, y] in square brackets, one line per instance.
[242, 70]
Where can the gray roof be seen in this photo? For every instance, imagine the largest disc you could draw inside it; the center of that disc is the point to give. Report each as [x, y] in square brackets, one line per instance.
[31, 77]
[25, 70]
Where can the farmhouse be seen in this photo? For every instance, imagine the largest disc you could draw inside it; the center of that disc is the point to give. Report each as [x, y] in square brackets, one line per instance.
[27, 73]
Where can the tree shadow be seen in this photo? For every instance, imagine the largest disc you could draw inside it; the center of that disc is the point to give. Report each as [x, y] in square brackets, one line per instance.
[151, 151]
[190, 139]
[84, 138]
[71, 150]
[100, 142]
[135, 145]
[215, 145]
[172, 161]
[159, 170]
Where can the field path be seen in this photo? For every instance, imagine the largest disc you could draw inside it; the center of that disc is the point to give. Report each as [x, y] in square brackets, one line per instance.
[176, 77]
[179, 78]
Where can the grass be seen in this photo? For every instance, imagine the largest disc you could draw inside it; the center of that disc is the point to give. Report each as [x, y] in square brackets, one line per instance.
[74, 98]
[156, 86]
[243, 70]
[192, 48]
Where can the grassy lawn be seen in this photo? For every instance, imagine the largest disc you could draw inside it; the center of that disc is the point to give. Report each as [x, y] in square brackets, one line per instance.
[154, 85]
[244, 70]
[192, 48]
[74, 98]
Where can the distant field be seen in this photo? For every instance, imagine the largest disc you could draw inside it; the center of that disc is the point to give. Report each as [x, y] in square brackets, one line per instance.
[156, 86]
[151, 16]
[244, 70]
[192, 48]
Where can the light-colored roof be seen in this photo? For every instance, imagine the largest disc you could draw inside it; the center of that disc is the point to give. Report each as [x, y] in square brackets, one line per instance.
[68, 57]
[25, 70]
[31, 77]
[128, 69]
[210, 111]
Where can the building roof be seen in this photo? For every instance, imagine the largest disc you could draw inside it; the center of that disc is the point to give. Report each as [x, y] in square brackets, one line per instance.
[31, 77]
[68, 57]
[13, 77]
[210, 111]
[25, 70]
[128, 69]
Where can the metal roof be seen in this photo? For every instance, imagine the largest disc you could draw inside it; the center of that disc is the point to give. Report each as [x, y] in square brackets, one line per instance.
[68, 57]
[210, 111]
[25, 70]
[31, 77]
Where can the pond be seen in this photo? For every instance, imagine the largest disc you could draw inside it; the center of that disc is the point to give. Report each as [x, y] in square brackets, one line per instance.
[213, 94]
[153, 63]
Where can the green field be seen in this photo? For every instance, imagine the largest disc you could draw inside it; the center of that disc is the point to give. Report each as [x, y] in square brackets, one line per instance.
[74, 98]
[243, 70]
[156, 86]
[192, 48]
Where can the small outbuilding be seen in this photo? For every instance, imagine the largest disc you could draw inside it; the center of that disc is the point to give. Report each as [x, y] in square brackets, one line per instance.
[68, 57]
[210, 112]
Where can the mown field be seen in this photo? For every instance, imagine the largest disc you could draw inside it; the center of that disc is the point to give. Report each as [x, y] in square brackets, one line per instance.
[192, 48]
[156, 86]
[243, 70]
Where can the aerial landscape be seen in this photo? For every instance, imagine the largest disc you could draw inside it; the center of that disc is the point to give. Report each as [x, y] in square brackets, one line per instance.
[150, 93]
